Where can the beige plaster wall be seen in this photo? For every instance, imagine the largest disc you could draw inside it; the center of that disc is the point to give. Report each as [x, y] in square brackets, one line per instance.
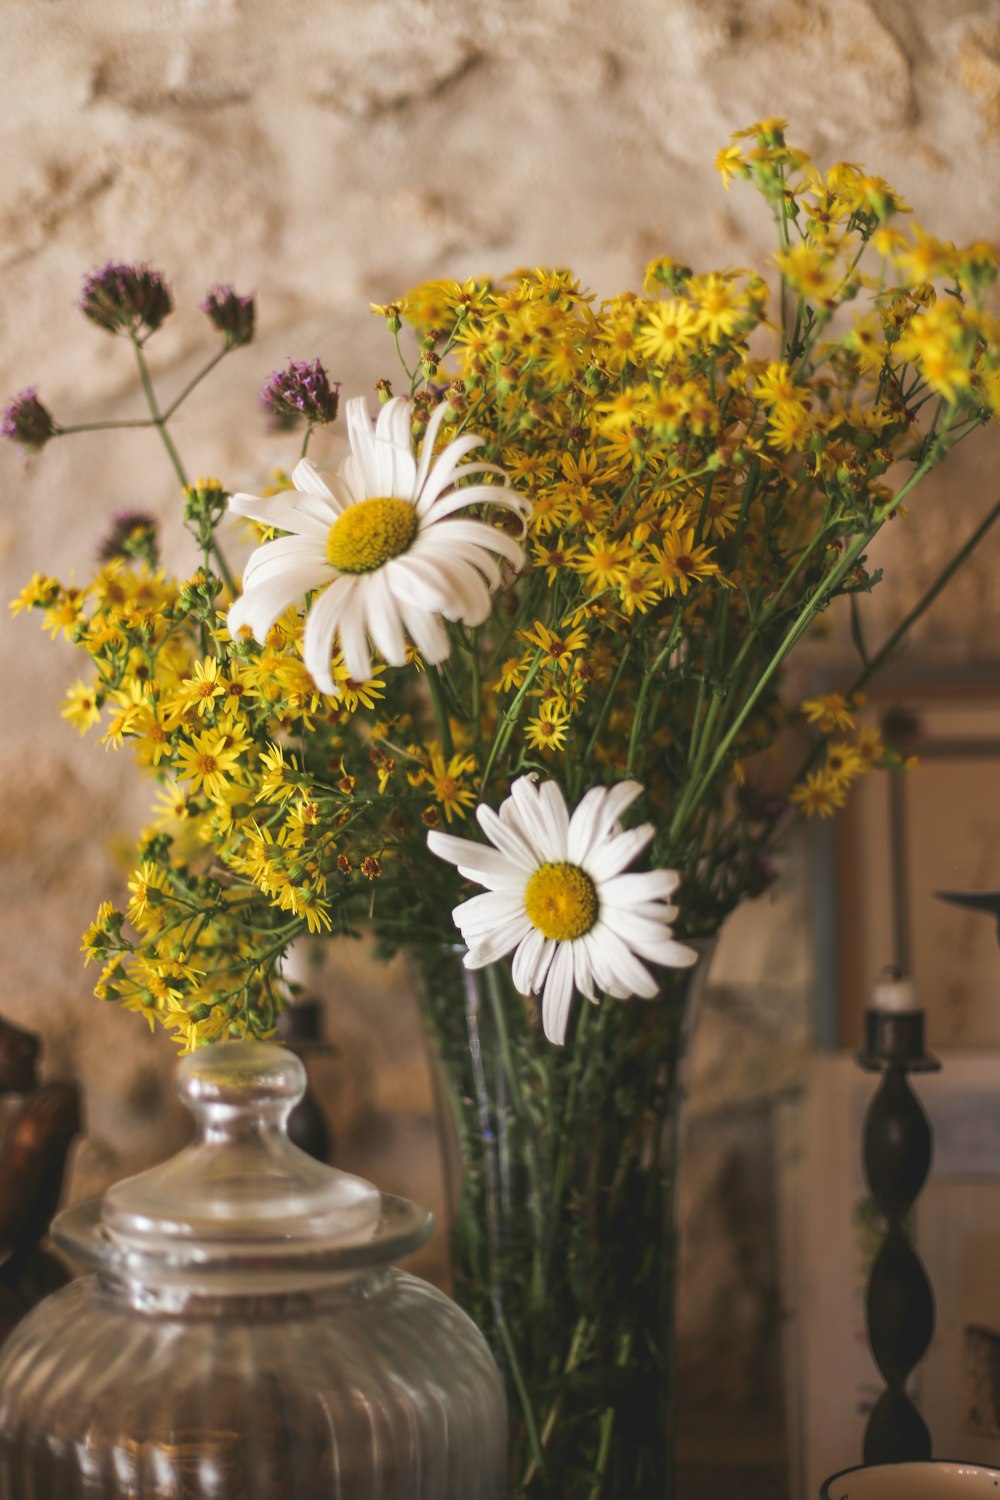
[326, 153]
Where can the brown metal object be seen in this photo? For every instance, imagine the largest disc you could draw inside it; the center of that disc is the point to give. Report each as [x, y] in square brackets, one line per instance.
[32, 1166]
[300, 1027]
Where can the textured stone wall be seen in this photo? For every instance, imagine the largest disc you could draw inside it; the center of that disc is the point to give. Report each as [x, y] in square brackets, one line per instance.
[327, 153]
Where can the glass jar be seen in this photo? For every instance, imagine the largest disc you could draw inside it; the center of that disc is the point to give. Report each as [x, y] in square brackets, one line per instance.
[245, 1336]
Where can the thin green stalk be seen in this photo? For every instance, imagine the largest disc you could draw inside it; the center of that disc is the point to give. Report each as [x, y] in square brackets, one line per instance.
[67, 431]
[508, 720]
[517, 1097]
[160, 423]
[648, 677]
[606, 704]
[803, 620]
[572, 1358]
[608, 1423]
[872, 664]
[179, 400]
[942, 580]
[440, 709]
[567, 1124]
[522, 1392]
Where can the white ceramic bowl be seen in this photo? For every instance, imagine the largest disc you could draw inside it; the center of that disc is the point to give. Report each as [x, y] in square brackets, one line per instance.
[917, 1481]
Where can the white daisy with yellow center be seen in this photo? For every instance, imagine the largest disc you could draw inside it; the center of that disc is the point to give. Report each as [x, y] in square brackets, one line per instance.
[558, 898]
[380, 545]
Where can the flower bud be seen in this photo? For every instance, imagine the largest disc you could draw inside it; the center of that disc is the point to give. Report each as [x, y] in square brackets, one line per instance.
[132, 535]
[126, 299]
[302, 390]
[233, 316]
[26, 421]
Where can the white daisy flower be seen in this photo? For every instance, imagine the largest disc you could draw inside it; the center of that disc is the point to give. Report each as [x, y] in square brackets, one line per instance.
[557, 896]
[380, 544]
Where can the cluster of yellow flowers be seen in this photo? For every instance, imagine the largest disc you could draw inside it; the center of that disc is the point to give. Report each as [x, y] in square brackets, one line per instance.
[705, 471]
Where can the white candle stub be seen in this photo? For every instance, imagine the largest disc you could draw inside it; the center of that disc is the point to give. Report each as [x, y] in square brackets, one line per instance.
[894, 993]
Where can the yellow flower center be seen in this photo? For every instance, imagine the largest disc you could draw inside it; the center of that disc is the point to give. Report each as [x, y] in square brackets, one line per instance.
[370, 533]
[561, 901]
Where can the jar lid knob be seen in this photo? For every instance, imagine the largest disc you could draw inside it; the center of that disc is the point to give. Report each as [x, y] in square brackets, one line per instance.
[240, 1077]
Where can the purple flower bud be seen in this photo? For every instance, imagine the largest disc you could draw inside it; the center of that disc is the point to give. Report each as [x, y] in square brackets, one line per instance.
[133, 534]
[121, 298]
[232, 315]
[26, 421]
[303, 390]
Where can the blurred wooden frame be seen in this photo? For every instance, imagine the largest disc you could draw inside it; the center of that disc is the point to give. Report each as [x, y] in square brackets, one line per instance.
[905, 835]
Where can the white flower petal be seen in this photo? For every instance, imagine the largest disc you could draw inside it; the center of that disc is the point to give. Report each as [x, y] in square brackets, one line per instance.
[642, 934]
[439, 584]
[531, 962]
[352, 477]
[630, 976]
[362, 439]
[384, 624]
[426, 631]
[508, 838]
[261, 605]
[477, 861]
[497, 944]
[287, 511]
[611, 857]
[601, 967]
[541, 825]
[489, 538]
[671, 954]
[583, 974]
[286, 554]
[354, 636]
[510, 817]
[639, 886]
[478, 494]
[478, 917]
[558, 996]
[321, 627]
[307, 478]
[596, 815]
[393, 450]
[555, 818]
[445, 468]
[437, 416]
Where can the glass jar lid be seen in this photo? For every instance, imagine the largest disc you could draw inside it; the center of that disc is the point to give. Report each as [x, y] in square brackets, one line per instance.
[242, 1206]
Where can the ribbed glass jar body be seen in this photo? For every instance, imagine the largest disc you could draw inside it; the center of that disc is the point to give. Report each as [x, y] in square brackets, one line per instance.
[376, 1388]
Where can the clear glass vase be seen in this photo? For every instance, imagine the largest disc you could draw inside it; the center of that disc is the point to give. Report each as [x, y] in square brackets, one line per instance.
[564, 1232]
[245, 1336]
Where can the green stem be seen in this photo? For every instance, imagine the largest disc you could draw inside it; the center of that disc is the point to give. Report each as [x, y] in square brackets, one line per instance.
[179, 400]
[513, 1078]
[942, 580]
[606, 705]
[608, 1423]
[572, 1358]
[440, 709]
[522, 1391]
[648, 676]
[508, 721]
[160, 423]
[872, 664]
[696, 785]
[62, 431]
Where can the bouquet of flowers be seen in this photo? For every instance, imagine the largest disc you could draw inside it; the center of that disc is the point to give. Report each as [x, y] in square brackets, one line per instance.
[548, 592]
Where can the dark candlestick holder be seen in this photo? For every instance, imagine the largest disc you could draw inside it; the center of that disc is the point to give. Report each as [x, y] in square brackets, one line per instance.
[897, 1158]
